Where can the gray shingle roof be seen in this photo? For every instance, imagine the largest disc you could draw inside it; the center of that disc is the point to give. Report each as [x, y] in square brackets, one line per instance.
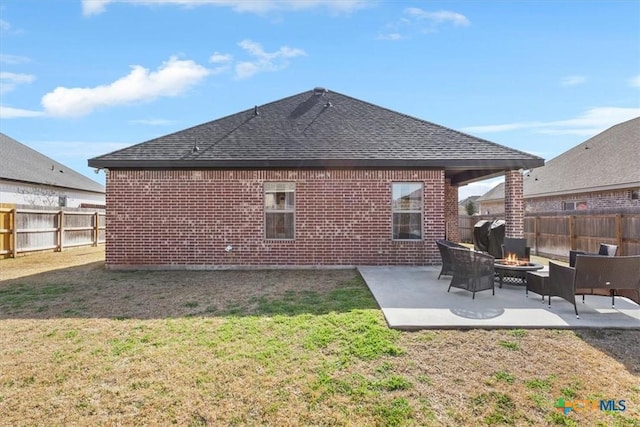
[609, 160]
[328, 130]
[21, 163]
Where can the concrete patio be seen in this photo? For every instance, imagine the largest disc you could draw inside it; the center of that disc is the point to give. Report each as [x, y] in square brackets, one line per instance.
[414, 298]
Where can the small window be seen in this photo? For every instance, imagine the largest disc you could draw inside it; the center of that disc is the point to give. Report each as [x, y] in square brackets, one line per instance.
[279, 210]
[62, 201]
[574, 206]
[407, 210]
[635, 194]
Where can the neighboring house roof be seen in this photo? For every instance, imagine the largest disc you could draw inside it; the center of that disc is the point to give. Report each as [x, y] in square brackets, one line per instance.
[607, 161]
[322, 129]
[21, 163]
[495, 193]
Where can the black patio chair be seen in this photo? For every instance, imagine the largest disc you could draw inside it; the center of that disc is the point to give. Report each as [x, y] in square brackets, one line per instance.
[472, 271]
[443, 246]
[562, 283]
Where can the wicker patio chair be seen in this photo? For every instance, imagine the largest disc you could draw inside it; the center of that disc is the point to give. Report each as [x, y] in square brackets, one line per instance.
[443, 246]
[472, 271]
[562, 283]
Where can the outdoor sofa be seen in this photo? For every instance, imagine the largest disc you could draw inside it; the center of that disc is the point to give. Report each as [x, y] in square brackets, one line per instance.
[596, 275]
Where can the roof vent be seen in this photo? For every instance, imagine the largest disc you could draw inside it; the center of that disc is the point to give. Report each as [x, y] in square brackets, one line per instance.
[195, 148]
[319, 91]
[255, 111]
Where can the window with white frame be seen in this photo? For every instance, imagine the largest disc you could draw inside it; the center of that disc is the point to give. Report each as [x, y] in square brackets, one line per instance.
[574, 206]
[407, 206]
[279, 210]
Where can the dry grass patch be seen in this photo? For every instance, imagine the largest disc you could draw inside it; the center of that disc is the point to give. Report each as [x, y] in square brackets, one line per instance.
[83, 345]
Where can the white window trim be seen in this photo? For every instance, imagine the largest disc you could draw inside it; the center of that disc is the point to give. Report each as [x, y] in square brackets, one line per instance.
[393, 211]
[282, 211]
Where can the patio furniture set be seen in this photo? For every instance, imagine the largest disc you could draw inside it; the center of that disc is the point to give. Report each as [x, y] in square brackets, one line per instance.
[587, 274]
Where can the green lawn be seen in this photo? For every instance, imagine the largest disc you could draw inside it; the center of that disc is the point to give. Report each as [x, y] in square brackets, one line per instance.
[87, 346]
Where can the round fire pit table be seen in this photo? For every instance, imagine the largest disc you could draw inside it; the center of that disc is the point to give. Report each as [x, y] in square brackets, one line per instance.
[514, 273]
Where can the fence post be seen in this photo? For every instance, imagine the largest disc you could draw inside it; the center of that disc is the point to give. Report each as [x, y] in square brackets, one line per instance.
[536, 219]
[96, 230]
[13, 241]
[572, 242]
[60, 230]
[619, 233]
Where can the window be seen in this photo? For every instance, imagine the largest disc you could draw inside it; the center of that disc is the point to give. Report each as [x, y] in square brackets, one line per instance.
[279, 210]
[62, 201]
[574, 206]
[407, 210]
[635, 194]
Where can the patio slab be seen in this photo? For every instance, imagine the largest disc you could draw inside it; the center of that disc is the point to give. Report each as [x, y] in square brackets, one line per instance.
[414, 298]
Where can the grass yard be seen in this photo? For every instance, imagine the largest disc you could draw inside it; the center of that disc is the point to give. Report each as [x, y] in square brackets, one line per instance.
[81, 345]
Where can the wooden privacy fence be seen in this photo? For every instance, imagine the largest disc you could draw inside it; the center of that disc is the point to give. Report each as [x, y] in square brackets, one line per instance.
[553, 235]
[29, 230]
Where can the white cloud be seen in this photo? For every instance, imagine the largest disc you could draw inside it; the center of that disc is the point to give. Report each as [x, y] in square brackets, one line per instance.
[635, 81]
[13, 59]
[264, 61]
[12, 113]
[418, 21]
[4, 25]
[390, 36]
[220, 58]
[440, 17]
[96, 7]
[8, 81]
[589, 123]
[173, 78]
[573, 80]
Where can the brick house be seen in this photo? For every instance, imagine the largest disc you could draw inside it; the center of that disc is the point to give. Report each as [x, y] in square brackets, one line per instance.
[29, 178]
[601, 173]
[314, 179]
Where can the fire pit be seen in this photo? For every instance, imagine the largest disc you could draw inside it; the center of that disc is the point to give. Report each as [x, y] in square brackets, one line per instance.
[512, 270]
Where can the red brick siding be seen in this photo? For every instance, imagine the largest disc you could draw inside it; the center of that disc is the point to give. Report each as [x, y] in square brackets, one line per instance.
[451, 212]
[595, 200]
[513, 204]
[187, 218]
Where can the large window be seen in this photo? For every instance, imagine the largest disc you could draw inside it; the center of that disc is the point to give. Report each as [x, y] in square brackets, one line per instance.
[407, 210]
[279, 210]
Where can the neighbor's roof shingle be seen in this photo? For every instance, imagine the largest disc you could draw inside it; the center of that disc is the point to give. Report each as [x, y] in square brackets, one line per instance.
[21, 163]
[309, 130]
[609, 160]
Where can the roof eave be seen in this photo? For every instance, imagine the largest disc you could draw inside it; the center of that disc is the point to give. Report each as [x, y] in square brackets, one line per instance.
[449, 164]
[612, 187]
[46, 184]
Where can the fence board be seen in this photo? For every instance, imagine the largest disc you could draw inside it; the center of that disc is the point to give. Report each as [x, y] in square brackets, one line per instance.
[554, 235]
[28, 230]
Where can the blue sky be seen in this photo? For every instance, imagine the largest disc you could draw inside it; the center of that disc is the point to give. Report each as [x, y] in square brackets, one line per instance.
[80, 78]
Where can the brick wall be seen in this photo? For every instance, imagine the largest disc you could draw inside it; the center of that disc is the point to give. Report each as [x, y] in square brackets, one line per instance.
[451, 212]
[180, 218]
[594, 200]
[513, 204]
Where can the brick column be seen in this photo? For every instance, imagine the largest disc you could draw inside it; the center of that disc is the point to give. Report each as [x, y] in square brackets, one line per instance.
[451, 214]
[513, 204]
